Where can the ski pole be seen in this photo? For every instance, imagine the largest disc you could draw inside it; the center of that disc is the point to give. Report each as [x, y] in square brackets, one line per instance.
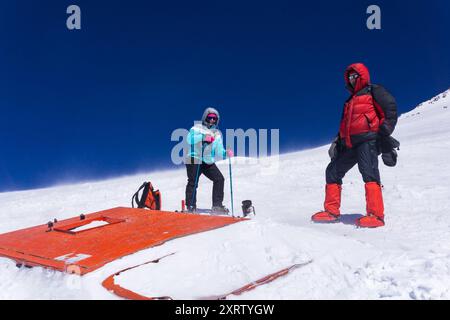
[231, 186]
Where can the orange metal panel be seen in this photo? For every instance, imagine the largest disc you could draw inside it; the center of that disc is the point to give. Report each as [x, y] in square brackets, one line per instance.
[110, 285]
[128, 231]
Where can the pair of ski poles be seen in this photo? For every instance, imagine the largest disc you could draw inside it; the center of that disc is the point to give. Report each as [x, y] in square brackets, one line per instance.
[231, 183]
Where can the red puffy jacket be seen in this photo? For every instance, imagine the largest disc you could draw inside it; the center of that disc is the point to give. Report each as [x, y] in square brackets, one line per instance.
[363, 116]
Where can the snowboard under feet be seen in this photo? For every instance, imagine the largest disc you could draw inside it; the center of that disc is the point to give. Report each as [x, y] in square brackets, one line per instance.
[207, 211]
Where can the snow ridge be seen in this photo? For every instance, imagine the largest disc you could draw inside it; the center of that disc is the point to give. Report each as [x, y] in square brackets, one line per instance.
[440, 101]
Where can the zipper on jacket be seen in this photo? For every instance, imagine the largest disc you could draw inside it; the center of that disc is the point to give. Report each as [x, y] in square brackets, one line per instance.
[368, 121]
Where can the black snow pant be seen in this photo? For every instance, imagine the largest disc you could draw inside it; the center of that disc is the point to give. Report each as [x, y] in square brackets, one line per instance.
[212, 173]
[364, 154]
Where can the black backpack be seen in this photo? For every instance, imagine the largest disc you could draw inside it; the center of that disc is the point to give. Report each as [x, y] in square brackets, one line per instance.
[387, 145]
[150, 198]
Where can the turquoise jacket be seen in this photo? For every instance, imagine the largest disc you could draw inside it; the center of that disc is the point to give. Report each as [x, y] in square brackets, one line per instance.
[201, 150]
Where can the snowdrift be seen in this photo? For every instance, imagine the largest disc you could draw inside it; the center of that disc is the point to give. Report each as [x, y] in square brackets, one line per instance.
[409, 258]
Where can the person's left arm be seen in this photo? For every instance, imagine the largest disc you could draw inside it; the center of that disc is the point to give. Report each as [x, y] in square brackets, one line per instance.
[386, 102]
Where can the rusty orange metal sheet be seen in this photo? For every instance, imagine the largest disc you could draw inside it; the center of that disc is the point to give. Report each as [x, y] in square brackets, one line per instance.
[111, 286]
[72, 246]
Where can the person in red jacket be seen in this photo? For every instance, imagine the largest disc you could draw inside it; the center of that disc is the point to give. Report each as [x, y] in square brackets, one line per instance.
[370, 114]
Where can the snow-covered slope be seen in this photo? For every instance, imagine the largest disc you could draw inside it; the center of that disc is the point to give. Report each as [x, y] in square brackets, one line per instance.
[409, 258]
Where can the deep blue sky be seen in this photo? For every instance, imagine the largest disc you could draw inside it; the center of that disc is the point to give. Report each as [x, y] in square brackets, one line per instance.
[103, 101]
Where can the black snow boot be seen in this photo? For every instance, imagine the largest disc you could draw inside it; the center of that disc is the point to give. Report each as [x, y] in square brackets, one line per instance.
[191, 209]
[219, 210]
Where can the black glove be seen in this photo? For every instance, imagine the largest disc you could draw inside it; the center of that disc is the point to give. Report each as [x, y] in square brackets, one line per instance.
[387, 146]
[333, 151]
[390, 158]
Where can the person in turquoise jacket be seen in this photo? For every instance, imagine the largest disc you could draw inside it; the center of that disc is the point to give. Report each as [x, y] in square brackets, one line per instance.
[205, 148]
